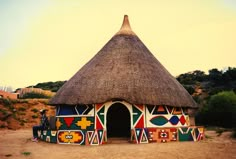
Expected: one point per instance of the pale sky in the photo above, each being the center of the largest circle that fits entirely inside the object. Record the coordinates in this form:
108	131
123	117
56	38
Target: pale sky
50	40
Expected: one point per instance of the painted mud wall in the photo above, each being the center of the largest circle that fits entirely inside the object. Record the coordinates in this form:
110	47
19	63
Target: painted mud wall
87	124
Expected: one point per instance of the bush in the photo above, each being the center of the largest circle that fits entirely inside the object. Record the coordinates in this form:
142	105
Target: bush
34	95
22	109
34	116
219	111
34	110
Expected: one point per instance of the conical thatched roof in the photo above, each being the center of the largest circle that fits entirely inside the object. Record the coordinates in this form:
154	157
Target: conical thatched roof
124	69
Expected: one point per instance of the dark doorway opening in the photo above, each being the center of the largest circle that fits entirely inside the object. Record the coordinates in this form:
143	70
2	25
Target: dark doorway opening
118	121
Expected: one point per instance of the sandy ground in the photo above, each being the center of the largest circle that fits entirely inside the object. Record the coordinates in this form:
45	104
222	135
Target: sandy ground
16	144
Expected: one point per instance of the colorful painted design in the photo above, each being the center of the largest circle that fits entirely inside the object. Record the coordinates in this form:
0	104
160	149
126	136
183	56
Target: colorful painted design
138	117
174	120
170	109
49	136
162	135
100	116
70	137
186	134
160	110
177	111
159	120
96	137
157	109
85	109
58	124
69	121
75	123
199	133
84	123
182	120
139	136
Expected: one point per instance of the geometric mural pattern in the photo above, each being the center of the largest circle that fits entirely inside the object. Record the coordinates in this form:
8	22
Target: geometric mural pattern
49	136
70	137
161	135
79	137
173	120
139	136
100	117
138	116
75	123
96	137
149	123
166	116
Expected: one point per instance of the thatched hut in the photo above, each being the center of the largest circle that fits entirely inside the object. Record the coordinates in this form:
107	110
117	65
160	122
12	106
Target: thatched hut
123	91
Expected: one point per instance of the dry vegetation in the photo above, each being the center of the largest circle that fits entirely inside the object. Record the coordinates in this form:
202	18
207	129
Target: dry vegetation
16	114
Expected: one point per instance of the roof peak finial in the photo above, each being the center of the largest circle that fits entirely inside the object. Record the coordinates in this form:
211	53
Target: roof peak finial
126	28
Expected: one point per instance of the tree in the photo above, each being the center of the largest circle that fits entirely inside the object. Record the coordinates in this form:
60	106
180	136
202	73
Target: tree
220	110
215	76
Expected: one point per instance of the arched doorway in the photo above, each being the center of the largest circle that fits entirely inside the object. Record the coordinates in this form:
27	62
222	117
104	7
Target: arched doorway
118	121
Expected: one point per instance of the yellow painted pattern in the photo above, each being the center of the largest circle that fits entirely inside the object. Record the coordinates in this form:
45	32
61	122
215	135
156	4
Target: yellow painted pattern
58	123
70	137
84	123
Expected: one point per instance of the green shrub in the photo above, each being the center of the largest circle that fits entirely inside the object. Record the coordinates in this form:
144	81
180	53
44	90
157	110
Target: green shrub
22	109
4	112
34	116
34	95
34	110
26	153
219	111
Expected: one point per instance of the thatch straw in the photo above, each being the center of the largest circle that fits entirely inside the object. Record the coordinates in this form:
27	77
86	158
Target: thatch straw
124	69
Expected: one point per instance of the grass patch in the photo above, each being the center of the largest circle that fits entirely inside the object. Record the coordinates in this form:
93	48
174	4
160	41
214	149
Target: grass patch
4	112
26	153
34	110
208	137
22	109
219	131
34	116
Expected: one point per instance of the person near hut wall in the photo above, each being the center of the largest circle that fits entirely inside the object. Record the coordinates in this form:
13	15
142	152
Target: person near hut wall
43	125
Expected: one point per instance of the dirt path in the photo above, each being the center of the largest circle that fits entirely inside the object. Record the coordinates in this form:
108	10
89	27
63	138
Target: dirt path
13	144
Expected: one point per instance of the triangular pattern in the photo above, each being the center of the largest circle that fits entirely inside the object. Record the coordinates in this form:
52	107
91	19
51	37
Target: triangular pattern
100	135
136	114
68	121
139	106
98	124
98	106
140	123
81	108
89	135
177	111
89	108
95	140
100	114
160	110
150	108
170	109
144	138
138	132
